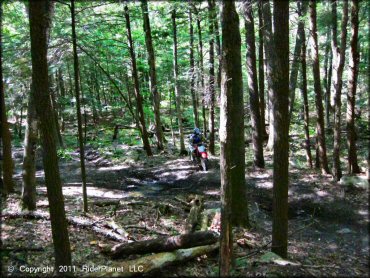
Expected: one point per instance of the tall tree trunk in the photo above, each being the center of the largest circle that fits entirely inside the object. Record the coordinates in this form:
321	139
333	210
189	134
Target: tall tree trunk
29	168
269	49
57	128
234	208
62	96
318	94
339	56
192	74
177	89
153	75
280	102
261	70
257	136
78	106
327	76
39	17
305	100
202	74
354	59
5	136
302	8
211	82
218	44
138	96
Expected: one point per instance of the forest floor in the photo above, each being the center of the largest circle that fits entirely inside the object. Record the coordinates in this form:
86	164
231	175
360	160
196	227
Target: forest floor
328	221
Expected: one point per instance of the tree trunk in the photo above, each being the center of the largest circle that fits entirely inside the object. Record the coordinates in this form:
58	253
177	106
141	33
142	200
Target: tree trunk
29	167
327	76
261	71
164	244
62	96
354	59
234	207
257	136
280	101
339	56
177	89
318	94
201	73
211	82
5	136
78	106
39	17
192	74
138	96
218	44
305	100
153	75
302	8
57	128
268	43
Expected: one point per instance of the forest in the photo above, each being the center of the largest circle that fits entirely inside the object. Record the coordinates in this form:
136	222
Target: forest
184	138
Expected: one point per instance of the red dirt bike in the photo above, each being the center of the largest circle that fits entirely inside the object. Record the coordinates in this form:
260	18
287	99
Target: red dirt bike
199	154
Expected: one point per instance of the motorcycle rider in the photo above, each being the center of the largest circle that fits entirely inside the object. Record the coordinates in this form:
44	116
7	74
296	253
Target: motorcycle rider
196	138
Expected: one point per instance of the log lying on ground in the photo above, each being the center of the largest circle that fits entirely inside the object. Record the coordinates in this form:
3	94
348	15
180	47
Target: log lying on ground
164	244
149	263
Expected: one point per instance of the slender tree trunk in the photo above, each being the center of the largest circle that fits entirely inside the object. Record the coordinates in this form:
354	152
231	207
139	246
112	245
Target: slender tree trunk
192	74
318	94
234	208
153	74
354	59
257	136
78	106
39	17
302	8
261	70
202	75
218	44
57	128
211	82
280	101
177	89
20	123
29	168
327	76
62	96
305	100
6	141
138	96
268	43
339	56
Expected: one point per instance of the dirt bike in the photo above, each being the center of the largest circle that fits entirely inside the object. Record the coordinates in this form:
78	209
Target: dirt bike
200	155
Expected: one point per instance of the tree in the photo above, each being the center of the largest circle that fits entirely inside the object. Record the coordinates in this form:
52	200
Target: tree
138	96
5	136
338	66
192	73
280	106
39	17
257	136
321	144
354	58
152	74
76	68
211	80
234	208
177	87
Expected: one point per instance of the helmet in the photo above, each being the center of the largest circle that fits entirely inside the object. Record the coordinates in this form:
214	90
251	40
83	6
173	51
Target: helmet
196	130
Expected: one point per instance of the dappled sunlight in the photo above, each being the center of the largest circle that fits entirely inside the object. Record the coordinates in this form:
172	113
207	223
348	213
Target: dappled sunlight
76	191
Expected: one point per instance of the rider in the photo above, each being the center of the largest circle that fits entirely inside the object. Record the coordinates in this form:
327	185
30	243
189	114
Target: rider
196	138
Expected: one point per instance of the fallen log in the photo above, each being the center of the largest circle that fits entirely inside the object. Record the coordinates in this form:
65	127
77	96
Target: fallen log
164	244
149	263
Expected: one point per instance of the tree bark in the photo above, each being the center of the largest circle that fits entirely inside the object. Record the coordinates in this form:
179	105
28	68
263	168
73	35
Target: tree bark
211	81
5	136
192	73
218	44
302	8
327	76
257	136
354	59
177	89
39	17
280	101
62	96
339	56
76	68
234	207
318	93
153	74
